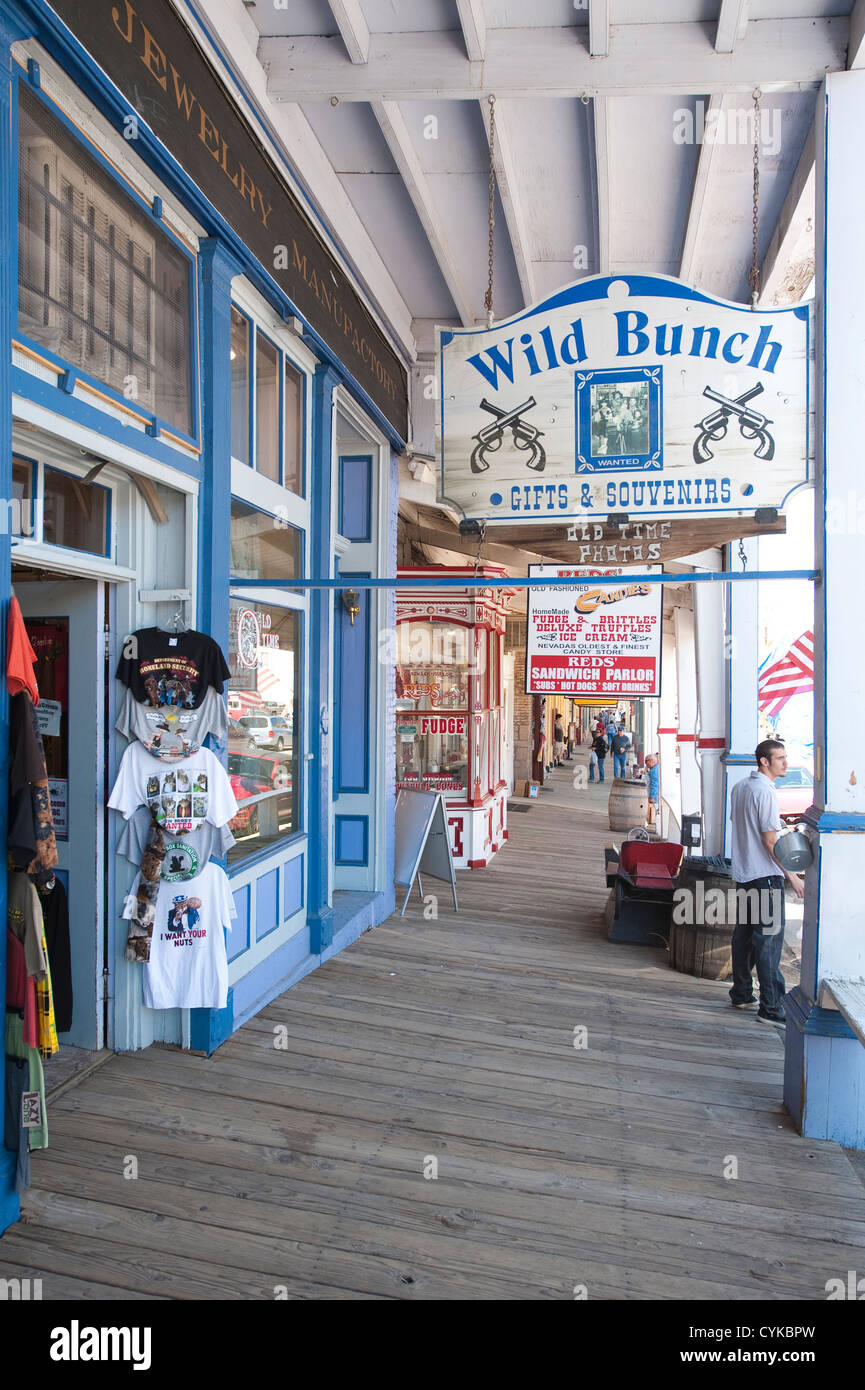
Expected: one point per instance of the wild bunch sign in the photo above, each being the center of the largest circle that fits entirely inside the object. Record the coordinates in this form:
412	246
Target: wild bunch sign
632	394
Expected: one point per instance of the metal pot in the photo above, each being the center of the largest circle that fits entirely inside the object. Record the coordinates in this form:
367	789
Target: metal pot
793	851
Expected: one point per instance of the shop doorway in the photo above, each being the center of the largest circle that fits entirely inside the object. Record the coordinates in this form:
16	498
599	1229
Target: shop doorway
66	621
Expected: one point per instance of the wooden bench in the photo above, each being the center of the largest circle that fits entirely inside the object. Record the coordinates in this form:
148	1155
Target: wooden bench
848	997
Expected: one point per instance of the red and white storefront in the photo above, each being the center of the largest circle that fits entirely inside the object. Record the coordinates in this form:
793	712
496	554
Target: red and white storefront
449	704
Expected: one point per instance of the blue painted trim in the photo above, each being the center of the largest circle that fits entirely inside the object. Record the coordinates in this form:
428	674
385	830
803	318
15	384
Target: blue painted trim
339	823
277	915
148	210
407	581
808	1018
89	77
50	397
739	759
321	635
366	537
343	629
288	867
209	1028
267	852
13	27
828	821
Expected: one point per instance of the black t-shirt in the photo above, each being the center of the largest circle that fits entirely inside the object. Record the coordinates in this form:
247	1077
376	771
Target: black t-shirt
166	668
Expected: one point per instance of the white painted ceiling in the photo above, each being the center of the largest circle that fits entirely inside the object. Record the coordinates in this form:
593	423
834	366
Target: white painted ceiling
380	112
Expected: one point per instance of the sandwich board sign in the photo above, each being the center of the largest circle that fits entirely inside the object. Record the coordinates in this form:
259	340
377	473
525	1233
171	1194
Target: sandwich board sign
422	842
629	395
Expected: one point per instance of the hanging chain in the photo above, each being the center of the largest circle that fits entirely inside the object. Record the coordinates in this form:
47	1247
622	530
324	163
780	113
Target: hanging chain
754	273
482	525
488	300
742	556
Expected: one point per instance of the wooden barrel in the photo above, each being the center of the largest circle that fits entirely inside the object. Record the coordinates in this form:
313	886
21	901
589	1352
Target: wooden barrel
629	804
700	948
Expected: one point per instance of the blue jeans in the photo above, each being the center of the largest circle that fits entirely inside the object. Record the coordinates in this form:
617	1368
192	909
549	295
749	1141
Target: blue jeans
758	939
619	760
601	769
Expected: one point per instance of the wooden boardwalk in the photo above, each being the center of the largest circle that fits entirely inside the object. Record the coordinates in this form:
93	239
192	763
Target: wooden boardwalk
293	1162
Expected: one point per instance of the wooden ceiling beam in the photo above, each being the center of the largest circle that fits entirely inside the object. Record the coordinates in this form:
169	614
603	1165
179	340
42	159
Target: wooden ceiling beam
789	262
398	137
732	24
473	22
599	28
601	123
697	228
776	54
352	27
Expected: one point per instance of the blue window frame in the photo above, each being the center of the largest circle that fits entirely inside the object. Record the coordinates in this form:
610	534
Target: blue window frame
268	406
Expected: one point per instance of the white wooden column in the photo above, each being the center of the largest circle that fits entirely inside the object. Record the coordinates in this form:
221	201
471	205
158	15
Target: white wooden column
743	644
824	1078
712	700
686	669
668	726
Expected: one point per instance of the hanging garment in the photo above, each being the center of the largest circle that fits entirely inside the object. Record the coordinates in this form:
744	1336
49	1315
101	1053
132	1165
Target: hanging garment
174	669
181	795
20	655
55	917
24	918
14	1134
16	1047
20	988
185	855
141	904
188	967
46	1025
31	828
170	732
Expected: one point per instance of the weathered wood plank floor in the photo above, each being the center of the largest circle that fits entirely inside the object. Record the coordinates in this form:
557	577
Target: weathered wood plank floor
448	1044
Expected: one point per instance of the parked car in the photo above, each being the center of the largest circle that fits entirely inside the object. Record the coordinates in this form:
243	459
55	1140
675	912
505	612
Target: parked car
795	792
267	731
250	774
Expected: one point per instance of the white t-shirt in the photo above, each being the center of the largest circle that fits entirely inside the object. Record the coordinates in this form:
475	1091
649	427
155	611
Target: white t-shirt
188	967
181	795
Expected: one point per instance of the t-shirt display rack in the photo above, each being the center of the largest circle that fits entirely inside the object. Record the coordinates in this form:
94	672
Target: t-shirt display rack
176	799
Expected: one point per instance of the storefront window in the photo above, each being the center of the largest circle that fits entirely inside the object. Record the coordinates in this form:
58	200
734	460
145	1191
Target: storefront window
262	546
99	284
432	681
266	408
293	409
76	513
264	723
240	386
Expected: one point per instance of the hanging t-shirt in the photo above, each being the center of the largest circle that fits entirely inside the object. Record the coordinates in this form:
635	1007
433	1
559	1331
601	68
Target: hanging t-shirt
185	856
171	732
171	668
188	967
181	795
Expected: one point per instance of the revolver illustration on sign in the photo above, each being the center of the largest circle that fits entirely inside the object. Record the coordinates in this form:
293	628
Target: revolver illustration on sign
525	436
752	425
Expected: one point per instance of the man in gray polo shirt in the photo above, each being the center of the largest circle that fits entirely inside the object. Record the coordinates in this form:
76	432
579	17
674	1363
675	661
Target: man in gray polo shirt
758	938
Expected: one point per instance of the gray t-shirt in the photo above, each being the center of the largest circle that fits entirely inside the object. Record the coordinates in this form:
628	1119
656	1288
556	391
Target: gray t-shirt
186	854
753	809
170	732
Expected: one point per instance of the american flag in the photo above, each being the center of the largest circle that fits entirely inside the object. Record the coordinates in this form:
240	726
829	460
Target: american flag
792	675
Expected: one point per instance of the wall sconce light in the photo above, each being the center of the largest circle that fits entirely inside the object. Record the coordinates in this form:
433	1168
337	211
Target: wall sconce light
351	603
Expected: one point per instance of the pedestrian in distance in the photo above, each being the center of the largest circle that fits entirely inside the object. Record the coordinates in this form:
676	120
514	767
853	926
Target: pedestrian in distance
619	746
599	748
758	937
558	740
